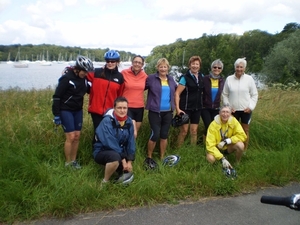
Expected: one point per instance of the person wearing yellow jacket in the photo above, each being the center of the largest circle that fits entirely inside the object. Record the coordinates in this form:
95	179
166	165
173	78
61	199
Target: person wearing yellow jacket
225	135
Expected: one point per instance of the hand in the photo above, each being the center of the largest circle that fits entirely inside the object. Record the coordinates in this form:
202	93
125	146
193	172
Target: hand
247	110
221	144
225	163
57	120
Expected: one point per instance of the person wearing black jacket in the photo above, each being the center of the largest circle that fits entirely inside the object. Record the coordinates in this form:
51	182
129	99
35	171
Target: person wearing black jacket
188	99
212	91
67	106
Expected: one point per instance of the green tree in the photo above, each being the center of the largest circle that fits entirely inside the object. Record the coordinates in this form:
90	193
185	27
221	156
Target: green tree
283	63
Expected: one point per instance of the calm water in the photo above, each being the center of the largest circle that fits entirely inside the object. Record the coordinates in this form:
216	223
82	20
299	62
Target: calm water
35	76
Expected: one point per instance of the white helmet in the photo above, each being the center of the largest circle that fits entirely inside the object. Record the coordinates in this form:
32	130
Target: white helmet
84	63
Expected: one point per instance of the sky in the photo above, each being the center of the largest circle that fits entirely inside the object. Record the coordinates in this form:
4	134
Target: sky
136	26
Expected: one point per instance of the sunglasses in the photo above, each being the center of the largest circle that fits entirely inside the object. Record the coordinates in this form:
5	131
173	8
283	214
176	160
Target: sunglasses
110	61
216	67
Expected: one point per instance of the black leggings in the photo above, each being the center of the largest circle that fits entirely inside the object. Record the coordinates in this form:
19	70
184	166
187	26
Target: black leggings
208	116
160	124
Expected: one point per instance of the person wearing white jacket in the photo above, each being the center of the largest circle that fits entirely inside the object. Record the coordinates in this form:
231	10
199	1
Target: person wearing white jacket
241	94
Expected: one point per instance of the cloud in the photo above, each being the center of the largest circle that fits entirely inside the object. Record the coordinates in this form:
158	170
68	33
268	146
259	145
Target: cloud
136	25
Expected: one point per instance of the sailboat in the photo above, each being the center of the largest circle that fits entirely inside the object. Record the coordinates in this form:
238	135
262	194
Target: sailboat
18	63
46	62
8	59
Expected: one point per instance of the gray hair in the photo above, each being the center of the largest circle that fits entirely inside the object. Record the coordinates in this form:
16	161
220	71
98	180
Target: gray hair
225	106
241	60
217	62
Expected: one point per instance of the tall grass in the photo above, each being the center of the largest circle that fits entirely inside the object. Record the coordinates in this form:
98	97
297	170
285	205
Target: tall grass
34	182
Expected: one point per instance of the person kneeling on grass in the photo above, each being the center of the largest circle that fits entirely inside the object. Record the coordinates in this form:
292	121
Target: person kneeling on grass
224	136
115	143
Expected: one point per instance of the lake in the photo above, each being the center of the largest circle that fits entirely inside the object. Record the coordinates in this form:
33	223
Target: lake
36	76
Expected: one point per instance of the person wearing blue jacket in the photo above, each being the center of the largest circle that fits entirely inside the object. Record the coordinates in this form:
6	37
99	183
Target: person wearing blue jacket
115	143
161	104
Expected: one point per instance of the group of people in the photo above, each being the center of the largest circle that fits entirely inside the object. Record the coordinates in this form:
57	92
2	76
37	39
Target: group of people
117	104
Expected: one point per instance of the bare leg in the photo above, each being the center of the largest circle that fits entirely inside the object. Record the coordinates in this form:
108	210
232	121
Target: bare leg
182	134
71	145
163	147
151	146
246	129
110	168
193	133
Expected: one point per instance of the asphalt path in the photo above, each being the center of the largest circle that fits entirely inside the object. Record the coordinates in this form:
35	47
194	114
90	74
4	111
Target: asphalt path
243	209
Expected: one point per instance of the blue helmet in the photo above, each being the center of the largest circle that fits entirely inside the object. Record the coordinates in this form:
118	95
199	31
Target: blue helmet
112	55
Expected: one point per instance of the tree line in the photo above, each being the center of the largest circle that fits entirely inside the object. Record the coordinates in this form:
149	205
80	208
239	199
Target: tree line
273	57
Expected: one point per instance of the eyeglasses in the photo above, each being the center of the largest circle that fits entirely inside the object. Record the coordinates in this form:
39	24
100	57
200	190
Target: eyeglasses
137	62
111	61
216	67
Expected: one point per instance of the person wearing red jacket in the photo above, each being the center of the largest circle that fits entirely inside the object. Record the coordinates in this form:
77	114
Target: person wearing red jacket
106	84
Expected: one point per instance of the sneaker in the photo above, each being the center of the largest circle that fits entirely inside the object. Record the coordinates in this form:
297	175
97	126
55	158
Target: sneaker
75	165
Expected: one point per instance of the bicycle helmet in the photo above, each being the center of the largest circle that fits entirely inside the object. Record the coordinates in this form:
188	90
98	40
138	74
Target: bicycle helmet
112	55
171	160
125	178
84	63
150	164
230	173
179	120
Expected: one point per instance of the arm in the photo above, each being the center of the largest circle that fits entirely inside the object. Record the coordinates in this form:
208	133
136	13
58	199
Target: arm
253	95
238	133
59	93
212	139
180	88
225	93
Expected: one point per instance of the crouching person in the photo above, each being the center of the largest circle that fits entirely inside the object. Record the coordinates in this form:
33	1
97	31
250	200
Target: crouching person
225	135
115	143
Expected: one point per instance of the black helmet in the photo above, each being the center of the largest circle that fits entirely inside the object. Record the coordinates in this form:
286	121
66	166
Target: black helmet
125	178
171	160
150	164
112	55
180	119
84	63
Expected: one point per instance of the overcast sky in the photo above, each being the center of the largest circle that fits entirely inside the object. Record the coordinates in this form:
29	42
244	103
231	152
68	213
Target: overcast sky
136	25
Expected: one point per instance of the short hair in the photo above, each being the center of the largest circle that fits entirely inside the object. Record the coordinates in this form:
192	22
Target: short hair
241	60
216	63
195	58
162	61
225	106
138	56
120	99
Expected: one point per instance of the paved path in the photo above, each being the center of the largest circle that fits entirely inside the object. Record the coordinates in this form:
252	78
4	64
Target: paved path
240	210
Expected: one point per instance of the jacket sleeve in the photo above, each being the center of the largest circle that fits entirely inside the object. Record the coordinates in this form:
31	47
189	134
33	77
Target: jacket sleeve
225	93
106	135
131	145
60	90
212	139
253	95
238	133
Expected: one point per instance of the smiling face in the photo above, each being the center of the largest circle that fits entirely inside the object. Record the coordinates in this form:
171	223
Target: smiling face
195	67
216	69
82	73
163	69
137	64
111	64
239	69
225	113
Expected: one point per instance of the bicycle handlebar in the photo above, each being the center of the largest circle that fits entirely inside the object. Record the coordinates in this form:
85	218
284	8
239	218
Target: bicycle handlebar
292	201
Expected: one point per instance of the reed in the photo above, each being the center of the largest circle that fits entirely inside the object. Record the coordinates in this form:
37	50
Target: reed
34	182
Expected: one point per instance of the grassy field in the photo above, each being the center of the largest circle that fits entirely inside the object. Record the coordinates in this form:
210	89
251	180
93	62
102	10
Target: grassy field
34	182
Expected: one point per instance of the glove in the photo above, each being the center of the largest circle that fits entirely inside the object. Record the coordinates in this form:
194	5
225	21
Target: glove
57	120
225	163
227	141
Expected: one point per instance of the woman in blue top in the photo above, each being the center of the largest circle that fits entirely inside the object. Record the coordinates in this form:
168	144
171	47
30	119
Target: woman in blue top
212	91
161	104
